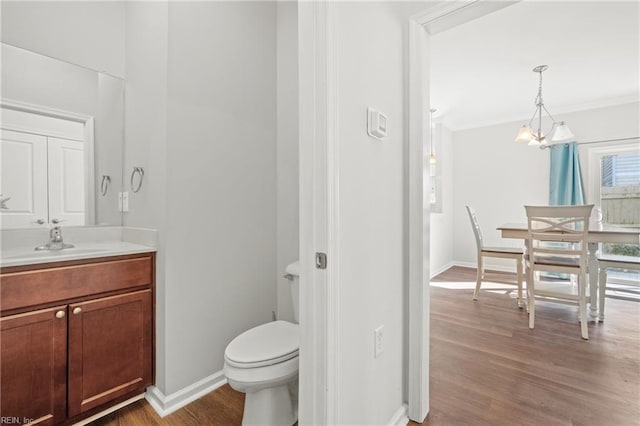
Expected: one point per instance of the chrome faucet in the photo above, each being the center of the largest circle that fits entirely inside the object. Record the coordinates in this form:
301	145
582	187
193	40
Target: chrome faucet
55	240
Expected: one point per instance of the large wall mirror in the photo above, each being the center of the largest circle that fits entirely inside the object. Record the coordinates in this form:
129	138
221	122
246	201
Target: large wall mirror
62	143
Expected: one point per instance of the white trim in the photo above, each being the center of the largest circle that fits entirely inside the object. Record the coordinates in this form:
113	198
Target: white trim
441	269
447	14
43	110
89	172
89	141
319	291
167	404
109	410
418	227
315	395
440	11
399	418
594	158
332	208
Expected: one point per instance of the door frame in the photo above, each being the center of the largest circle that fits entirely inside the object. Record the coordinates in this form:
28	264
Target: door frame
319	224
318	212
433	19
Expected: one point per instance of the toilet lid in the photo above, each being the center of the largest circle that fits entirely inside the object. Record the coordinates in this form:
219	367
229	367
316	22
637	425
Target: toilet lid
265	344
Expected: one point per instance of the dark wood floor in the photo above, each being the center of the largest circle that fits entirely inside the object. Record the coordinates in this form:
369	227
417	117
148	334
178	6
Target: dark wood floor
221	407
488	368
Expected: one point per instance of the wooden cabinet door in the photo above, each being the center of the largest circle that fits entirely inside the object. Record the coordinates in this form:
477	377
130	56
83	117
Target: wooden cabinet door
110	349
33	351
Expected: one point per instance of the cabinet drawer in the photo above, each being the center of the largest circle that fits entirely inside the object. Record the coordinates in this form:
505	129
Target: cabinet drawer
40	286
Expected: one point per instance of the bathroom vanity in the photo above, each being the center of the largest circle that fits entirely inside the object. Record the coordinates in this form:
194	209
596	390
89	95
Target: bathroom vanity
77	334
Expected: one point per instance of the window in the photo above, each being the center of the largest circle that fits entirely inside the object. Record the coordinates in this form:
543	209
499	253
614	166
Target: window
614	187
620	170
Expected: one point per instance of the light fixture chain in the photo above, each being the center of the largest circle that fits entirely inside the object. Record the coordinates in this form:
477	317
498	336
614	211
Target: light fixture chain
539	97
527	134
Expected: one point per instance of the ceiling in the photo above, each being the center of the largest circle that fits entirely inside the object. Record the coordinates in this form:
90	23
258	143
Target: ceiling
481	71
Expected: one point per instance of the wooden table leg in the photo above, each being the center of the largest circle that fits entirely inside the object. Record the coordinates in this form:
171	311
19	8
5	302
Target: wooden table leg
593	282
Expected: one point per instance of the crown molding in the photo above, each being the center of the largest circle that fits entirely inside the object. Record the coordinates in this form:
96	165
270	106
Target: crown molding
603	103
448	14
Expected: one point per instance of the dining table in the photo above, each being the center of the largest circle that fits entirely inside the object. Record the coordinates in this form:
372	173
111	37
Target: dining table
598	233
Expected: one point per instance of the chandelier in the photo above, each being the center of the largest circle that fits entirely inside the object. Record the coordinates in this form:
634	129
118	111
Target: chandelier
559	130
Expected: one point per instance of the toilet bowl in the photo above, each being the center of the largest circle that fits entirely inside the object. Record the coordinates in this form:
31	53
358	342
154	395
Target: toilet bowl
263	363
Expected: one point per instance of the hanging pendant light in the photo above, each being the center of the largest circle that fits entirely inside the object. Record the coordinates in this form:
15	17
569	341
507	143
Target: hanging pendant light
562	133
559	130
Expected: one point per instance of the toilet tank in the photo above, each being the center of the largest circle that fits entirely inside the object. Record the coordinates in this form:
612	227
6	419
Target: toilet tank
293	273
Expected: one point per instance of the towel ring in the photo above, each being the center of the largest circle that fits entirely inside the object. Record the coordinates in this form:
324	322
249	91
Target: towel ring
140	172
104	186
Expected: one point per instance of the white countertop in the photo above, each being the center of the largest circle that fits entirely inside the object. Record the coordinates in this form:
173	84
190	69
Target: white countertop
18	249
16	257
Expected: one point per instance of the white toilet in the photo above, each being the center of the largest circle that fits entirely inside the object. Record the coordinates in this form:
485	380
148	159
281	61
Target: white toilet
263	363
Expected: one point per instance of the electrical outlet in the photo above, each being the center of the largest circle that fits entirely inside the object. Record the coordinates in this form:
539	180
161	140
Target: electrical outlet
119	201
125	201
378	341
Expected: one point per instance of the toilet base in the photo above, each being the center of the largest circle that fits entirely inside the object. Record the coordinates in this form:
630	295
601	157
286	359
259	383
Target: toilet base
270	406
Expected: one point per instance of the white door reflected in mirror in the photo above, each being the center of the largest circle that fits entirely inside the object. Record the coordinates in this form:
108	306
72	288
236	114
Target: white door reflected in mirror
42	171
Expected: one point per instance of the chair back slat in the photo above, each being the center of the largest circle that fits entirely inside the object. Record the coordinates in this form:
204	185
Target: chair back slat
476	227
558	231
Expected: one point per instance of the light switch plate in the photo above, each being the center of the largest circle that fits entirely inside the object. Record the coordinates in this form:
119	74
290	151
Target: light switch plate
125	201
378	340
376	124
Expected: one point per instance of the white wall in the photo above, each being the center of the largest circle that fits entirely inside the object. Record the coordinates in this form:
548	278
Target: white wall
202	121
441	226
221	181
370	72
91	34
146	142
288	232
498	176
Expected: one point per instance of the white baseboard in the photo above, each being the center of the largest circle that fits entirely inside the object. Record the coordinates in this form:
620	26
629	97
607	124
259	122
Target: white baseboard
441	269
400	417
167	404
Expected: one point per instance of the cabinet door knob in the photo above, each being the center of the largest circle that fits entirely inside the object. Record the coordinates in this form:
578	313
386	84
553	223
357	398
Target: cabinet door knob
60	314
77	310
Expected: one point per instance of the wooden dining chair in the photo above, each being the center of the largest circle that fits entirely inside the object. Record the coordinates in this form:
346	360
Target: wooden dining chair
609	261
557	243
496	252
